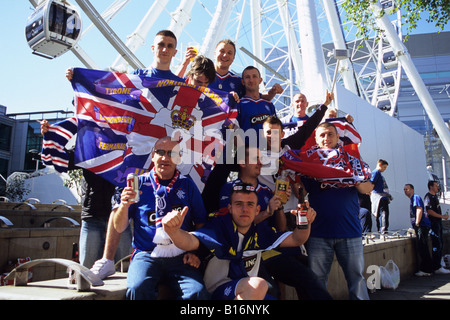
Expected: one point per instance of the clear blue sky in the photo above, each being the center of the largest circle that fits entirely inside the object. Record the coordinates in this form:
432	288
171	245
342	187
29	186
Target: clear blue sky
31	83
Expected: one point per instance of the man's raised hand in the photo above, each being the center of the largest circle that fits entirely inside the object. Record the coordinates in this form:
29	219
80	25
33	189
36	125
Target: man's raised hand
174	219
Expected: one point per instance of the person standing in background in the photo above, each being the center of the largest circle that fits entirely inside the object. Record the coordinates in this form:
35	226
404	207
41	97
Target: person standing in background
433	208
421	225
380	197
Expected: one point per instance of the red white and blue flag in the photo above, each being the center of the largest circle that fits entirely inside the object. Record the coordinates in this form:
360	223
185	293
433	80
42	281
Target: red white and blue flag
339	167
55	140
119	117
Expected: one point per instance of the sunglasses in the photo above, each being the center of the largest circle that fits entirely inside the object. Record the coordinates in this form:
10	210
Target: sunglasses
170	153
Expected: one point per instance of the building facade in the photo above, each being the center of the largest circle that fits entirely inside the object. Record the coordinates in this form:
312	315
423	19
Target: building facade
21	141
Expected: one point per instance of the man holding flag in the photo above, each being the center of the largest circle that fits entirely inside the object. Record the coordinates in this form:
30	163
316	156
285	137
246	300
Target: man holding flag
120	116
336	229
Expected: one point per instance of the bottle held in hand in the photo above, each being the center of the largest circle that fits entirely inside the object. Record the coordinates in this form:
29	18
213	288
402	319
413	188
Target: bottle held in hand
281	187
302	209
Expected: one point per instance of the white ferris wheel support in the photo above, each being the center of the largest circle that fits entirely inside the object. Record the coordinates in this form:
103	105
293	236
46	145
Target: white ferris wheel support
413	75
346	68
109	34
255	15
314	69
137	38
293	48
181	17
217	27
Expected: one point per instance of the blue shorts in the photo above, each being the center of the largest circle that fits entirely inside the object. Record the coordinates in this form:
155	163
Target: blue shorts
226	291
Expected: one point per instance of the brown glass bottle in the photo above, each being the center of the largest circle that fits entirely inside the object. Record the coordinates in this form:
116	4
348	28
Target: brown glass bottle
302	209
281	186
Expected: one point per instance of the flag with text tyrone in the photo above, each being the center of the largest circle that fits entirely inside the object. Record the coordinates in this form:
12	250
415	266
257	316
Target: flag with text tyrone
121	116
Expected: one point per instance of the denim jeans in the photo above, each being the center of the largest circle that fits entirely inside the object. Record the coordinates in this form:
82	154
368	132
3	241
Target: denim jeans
290	270
365	218
146	272
92	241
349	253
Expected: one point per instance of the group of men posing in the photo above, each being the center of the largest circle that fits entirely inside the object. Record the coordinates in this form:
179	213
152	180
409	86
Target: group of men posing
249	246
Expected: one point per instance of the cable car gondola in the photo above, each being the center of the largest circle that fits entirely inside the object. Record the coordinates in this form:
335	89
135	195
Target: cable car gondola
53	28
389	59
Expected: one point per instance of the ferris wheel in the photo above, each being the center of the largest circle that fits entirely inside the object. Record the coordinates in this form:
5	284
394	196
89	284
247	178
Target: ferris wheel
377	71
267	35
304	45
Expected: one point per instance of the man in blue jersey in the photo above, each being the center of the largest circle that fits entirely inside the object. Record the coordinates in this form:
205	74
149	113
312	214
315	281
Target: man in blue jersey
336	229
236	242
225	79
421	224
380	197
298	117
228	81
299	104
252	109
249	171
219	175
164	48
155	257
281	265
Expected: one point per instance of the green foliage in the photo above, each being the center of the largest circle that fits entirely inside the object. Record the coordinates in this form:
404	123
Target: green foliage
16	190
74	180
436	12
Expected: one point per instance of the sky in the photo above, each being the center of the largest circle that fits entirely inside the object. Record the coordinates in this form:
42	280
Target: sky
31	83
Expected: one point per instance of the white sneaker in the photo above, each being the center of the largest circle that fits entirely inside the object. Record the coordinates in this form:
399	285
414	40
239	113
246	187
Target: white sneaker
422	274
442	270
103	268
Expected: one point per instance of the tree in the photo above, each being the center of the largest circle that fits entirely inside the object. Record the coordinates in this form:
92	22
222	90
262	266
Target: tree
74	180
412	11
15	187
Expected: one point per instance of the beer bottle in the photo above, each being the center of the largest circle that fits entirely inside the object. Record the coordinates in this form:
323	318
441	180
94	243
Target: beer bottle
282	185
302	209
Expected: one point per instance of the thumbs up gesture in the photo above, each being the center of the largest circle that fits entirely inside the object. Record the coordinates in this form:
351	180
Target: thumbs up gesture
173	220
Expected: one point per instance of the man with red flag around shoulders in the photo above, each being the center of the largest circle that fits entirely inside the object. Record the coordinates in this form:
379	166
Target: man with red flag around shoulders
337	228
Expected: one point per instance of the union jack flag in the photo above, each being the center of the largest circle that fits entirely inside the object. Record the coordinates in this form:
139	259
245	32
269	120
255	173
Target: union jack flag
55	140
121	116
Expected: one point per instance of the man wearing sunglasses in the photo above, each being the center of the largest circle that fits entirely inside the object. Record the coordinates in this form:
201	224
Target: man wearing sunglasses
236	242
162	190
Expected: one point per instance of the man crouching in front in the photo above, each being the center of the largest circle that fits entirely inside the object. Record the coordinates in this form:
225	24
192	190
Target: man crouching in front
236	242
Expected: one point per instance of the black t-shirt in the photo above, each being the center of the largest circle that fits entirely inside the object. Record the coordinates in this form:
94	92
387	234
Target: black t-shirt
97	196
432	202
